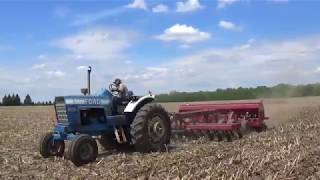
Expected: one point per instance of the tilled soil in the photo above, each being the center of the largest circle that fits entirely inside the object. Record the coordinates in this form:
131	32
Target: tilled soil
289	151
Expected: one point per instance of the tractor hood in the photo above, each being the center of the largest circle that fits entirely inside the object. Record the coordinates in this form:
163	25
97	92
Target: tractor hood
104	98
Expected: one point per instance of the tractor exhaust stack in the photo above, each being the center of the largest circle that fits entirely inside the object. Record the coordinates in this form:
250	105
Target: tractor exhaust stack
87	91
89	72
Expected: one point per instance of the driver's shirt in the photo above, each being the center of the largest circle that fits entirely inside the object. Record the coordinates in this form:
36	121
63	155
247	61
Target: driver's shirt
123	90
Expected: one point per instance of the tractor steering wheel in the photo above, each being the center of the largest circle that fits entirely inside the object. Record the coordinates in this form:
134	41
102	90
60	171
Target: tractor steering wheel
113	89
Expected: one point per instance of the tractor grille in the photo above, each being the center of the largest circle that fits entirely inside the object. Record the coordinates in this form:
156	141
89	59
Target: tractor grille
61	113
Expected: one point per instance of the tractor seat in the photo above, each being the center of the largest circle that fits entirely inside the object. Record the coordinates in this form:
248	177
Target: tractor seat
127	99
121	105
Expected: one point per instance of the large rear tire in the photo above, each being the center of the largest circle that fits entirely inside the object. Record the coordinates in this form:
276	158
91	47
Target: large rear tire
83	150
49	148
150	129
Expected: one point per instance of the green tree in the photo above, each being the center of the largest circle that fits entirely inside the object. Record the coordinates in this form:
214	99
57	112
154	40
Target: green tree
13	100
27	100
17	101
9	100
280	90
4	100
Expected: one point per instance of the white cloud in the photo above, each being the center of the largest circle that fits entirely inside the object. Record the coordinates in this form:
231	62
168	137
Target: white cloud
61	74
224	3
79	56
160	8
128	62
183	33
185	46
26	80
89	18
138	4
82	67
97	44
99	48
56	74
157	69
61	12
248	45
229	25
39	66
149	74
188	6
42	56
252	64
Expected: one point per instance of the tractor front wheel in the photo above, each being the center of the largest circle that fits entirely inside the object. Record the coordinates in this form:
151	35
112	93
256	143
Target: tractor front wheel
49	147
83	149
150	129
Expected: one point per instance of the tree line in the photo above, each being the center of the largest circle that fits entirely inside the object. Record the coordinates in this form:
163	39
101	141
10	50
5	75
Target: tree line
15	100
280	90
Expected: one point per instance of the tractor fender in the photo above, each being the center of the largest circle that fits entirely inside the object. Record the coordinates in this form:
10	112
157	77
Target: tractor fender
135	105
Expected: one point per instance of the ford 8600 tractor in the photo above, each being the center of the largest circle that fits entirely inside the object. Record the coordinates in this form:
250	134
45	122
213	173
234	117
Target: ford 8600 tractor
85	119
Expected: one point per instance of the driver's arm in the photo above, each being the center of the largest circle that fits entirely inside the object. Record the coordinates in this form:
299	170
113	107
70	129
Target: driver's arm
121	88
114	87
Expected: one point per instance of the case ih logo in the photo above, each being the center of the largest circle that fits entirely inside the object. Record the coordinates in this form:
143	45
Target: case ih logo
90	101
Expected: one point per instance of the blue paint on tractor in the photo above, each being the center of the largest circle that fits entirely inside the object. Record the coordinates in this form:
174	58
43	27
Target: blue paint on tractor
84	119
90	115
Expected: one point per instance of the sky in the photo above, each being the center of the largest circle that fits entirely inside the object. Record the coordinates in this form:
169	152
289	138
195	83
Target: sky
161	46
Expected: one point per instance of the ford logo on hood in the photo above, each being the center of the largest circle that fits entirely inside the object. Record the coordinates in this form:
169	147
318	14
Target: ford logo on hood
88	101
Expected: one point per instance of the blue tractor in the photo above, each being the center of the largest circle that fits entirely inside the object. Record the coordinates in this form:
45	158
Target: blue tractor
84	120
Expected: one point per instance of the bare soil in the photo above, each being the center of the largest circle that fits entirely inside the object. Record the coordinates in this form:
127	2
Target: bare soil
289	150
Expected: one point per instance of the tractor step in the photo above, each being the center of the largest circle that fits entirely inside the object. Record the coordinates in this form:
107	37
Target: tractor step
120	136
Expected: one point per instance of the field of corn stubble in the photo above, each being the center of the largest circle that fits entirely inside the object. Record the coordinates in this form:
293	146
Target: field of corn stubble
288	150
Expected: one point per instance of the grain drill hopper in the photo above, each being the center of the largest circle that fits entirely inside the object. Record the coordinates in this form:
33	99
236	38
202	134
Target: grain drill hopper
218	120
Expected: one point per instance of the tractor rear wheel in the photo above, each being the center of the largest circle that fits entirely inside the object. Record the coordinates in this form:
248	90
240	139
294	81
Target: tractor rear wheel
83	150
49	147
150	129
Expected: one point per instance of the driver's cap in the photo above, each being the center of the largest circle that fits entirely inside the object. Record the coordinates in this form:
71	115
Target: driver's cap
117	81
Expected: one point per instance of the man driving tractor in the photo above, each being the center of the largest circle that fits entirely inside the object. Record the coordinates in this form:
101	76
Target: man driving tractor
120	89
120	92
